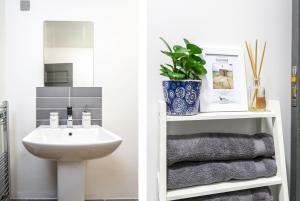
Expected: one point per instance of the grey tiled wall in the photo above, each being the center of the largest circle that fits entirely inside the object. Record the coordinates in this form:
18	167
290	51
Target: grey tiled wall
57	99
86	200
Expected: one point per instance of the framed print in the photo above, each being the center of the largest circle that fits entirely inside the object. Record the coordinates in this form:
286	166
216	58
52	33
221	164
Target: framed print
224	87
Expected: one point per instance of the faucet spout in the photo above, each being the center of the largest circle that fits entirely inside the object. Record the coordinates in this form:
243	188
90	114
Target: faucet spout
70	117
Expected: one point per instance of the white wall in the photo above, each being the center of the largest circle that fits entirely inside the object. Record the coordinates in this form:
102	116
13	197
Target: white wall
82	59
115	61
219	24
2	47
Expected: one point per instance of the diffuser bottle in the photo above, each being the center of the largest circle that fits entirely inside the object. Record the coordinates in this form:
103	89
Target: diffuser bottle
257	97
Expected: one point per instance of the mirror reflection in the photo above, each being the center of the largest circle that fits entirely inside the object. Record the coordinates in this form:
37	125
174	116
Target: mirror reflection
68	53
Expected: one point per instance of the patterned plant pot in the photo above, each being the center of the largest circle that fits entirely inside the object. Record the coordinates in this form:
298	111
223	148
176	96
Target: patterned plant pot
182	97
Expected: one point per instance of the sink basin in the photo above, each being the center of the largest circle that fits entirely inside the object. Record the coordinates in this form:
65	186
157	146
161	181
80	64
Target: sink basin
71	147
71	144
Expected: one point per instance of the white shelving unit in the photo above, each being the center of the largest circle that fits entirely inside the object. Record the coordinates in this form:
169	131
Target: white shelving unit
273	108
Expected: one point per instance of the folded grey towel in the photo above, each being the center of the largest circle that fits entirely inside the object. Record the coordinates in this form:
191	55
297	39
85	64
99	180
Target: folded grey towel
218	147
186	174
255	194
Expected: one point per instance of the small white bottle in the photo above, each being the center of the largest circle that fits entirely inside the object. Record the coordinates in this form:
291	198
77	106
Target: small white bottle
86	119
54	120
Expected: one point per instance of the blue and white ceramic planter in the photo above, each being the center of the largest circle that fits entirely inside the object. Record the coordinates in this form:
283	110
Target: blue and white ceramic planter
182	97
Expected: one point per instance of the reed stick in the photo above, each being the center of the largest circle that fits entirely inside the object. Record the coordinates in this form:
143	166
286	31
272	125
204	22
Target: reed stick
249	54
262	59
254	96
254	70
255	66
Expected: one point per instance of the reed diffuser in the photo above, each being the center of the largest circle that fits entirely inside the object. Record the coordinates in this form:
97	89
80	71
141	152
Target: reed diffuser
257	99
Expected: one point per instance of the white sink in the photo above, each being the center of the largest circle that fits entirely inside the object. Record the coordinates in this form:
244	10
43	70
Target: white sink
71	144
71	147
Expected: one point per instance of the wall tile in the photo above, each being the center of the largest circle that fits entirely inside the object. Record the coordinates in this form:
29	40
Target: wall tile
57	99
44	114
39	200
47	122
86	92
52	92
52	102
82	102
86	200
93	122
96	113
96	122
77	122
121	200
95	200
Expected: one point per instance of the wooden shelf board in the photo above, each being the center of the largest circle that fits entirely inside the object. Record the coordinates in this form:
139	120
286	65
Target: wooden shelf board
221	188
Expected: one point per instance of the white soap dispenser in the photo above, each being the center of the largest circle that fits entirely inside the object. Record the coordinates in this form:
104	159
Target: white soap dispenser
54	120
86	118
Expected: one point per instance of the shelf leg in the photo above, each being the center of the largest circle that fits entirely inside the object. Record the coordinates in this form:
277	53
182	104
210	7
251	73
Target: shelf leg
279	151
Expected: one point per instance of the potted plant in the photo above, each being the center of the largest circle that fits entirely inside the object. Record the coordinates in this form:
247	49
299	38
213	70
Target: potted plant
182	90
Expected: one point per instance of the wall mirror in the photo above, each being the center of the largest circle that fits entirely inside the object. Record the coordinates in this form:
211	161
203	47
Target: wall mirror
68	53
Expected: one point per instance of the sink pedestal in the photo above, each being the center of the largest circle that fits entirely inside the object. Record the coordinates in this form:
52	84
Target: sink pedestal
71	181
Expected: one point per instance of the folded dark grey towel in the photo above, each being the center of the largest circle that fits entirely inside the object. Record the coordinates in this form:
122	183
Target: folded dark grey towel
218	147
186	174
255	194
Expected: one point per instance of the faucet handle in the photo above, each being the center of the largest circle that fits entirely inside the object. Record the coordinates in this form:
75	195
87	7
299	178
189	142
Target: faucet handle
69	111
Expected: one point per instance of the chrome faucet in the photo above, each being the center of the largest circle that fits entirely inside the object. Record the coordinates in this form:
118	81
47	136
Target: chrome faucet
70	117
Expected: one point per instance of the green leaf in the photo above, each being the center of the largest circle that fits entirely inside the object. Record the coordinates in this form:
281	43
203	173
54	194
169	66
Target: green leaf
164	74
186	41
178	55
176	76
183	61
195	66
196	58
188	64
170	66
180	49
194	48
167	53
164	69
174	55
195	77
165	42
181	70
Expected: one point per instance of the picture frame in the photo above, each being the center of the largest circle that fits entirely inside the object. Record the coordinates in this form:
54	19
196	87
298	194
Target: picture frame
224	88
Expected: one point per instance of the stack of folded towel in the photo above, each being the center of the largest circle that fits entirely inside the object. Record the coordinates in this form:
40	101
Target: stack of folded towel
256	194
207	158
